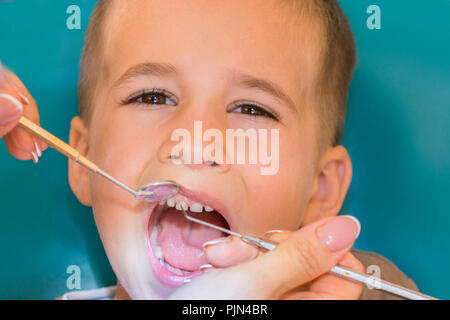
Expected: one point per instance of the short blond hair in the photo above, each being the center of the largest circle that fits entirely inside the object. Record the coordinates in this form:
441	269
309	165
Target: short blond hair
338	59
92	60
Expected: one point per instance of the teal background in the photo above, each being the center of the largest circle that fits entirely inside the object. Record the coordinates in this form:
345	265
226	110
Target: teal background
397	133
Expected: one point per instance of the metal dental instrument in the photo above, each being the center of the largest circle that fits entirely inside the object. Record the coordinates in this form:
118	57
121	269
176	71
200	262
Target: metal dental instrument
343	272
153	192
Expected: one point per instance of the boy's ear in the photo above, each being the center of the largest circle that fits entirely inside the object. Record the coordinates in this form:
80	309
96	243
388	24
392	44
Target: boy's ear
330	185
78	175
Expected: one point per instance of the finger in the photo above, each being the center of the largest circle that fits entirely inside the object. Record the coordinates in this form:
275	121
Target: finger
278	235
332	287
307	254
17	152
17	140
11	85
228	251
30	108
10	111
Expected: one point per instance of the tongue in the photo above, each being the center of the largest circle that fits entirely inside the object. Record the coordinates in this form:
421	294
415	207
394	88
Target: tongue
181	240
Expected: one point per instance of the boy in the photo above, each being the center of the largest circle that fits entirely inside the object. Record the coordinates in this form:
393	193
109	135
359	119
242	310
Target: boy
150	68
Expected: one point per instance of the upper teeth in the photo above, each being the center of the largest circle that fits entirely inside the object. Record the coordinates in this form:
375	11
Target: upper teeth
181	205
170	202
196	207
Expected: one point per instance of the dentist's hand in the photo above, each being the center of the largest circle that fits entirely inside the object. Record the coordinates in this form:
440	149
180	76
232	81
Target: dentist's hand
15	100
296	269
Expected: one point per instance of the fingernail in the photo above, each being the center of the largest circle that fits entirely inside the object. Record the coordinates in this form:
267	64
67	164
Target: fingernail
339	232
19	92
216	241
38	150
10	109
274	231
205	266
24	98
35	157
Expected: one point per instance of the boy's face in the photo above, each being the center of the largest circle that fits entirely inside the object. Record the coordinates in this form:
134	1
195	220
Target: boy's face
213	48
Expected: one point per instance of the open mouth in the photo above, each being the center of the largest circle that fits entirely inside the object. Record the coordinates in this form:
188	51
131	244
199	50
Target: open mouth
176	243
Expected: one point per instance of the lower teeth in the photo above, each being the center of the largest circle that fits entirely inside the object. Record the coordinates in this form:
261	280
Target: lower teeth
158	252
173	269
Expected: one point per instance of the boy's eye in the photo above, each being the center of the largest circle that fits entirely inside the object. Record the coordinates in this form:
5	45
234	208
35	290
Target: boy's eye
253	110
155	96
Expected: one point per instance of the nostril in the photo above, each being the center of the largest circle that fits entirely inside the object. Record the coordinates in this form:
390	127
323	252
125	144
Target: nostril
211	163
175	159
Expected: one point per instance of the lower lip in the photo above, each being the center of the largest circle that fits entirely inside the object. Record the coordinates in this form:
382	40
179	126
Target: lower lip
165	276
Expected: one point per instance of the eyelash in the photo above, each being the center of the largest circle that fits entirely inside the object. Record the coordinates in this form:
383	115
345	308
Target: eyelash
256	108
140	95
263	111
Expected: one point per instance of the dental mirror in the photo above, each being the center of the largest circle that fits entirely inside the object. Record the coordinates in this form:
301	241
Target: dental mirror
158	191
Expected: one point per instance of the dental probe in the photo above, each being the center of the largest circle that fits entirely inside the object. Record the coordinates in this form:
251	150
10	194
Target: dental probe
153	192
343	272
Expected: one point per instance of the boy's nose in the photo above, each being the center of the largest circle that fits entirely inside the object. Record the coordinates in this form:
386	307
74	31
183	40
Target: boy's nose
195	159
189	149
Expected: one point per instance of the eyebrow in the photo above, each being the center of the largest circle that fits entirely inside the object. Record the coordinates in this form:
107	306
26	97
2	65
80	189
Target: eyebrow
265	86
147	69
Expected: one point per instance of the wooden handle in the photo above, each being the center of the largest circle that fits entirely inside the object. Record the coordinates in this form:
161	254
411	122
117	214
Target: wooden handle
55	143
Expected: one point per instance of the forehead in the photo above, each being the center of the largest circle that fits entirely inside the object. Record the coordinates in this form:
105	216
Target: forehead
261	38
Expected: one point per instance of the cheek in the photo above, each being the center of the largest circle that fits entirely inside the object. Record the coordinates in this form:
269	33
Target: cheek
297	170
119	231
121	138
124	142
278	201
120	146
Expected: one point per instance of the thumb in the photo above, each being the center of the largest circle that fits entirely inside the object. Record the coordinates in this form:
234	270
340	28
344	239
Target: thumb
10	111
307	254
